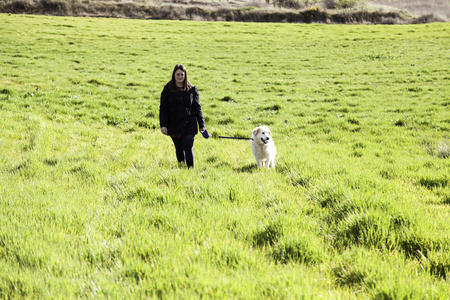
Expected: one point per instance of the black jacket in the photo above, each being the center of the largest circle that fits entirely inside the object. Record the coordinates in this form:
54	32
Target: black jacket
180	111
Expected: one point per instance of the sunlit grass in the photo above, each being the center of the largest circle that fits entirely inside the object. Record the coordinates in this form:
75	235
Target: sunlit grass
93	203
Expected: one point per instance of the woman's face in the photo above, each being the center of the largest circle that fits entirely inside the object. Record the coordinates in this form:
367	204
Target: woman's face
179	77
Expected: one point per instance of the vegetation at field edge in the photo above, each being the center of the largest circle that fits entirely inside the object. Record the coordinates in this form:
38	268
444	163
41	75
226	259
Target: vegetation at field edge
293	11
93	203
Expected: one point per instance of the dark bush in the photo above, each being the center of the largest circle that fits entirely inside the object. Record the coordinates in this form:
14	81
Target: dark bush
427	19
288	3
57	6
21	6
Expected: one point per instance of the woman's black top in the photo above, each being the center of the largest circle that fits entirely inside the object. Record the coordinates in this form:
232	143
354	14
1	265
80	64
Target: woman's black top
180	111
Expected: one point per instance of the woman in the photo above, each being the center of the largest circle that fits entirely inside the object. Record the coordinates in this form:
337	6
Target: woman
179	113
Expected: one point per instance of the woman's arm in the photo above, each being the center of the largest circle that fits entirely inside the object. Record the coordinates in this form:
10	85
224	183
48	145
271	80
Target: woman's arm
163	111
198	109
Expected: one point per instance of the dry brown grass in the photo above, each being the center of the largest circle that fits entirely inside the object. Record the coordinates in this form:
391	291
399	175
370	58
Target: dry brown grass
440	8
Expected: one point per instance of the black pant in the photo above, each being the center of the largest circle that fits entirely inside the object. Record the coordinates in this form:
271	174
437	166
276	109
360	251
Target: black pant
183	148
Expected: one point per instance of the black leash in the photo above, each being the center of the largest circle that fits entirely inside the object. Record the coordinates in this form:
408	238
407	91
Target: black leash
234	138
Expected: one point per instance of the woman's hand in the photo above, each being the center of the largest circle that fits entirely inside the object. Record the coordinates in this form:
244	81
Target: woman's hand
164	130
202	129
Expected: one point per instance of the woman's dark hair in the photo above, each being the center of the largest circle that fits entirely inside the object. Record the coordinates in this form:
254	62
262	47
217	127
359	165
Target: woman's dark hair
172	83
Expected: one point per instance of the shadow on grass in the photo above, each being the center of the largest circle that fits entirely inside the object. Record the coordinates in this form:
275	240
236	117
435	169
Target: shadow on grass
250	168
268	235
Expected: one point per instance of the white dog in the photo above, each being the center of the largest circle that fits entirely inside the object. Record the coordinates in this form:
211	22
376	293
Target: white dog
263	147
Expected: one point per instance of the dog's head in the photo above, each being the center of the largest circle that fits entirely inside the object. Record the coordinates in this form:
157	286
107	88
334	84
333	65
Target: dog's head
261	134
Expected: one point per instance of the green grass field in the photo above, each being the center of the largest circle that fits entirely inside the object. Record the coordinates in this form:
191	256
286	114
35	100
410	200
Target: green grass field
94	205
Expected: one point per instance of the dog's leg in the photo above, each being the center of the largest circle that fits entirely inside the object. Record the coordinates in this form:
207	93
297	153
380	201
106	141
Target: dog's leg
264	162
259	163
272	162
